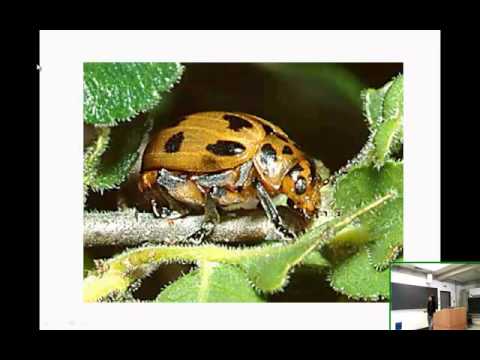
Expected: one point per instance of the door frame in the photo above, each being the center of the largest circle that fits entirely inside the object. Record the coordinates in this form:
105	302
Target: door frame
449	299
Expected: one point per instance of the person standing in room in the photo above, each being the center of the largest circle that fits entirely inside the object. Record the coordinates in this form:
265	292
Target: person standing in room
431	308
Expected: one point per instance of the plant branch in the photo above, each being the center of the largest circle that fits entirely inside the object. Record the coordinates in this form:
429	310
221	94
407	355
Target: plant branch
130	228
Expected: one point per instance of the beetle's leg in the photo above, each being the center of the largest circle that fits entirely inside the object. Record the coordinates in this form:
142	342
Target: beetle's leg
271	211
174	210
155	211
164	212
165	182
211	218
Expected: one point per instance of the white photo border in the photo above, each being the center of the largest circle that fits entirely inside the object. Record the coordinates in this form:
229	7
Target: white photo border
62	54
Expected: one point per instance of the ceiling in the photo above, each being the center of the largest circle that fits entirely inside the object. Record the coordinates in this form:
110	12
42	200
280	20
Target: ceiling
461	273
431	267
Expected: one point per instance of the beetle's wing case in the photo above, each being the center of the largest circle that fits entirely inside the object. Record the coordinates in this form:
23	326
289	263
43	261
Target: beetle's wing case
268	127
204	142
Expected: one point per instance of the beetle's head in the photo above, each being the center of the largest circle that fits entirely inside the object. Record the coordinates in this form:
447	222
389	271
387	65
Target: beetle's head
301	185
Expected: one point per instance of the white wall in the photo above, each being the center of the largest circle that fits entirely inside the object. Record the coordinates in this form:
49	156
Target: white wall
417	318
410	319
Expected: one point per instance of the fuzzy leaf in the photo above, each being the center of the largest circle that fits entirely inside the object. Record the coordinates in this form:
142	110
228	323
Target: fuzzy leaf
315	259
116	92
385	225
269	271
123	152
390	133
92	158
373	104
383	110
212	282
356	278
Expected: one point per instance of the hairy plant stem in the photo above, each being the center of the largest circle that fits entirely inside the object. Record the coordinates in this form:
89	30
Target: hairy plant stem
130	228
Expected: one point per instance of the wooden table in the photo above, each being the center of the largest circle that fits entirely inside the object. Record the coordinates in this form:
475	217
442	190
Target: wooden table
450	319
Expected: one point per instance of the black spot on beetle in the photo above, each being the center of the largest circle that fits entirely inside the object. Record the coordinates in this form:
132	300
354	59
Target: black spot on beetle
296	169
268	129
287	150
226	148
282	137
300	185
173	144
268	152
236	123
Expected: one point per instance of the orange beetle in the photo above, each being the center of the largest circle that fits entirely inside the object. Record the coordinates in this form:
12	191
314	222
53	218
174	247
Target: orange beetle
227	160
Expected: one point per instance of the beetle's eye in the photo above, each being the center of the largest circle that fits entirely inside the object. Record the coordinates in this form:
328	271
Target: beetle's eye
300	185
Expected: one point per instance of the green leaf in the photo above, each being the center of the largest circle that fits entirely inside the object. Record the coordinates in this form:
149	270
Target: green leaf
393	103
385	247
116	92
92	157
356	278
350	236
211	282
383	110
363	274
315	259
373	104
117	162
389	133
385	224
269	270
